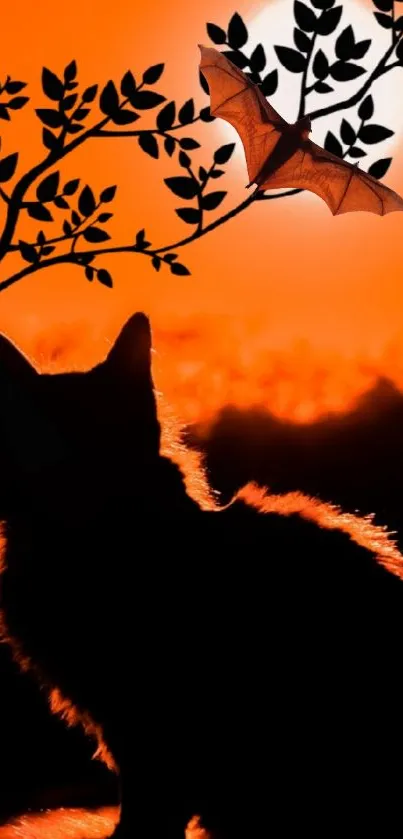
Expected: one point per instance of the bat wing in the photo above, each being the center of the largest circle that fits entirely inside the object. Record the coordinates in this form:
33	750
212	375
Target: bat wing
344	187
236	99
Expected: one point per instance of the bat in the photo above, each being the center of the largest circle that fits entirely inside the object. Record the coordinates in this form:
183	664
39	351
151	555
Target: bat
279	154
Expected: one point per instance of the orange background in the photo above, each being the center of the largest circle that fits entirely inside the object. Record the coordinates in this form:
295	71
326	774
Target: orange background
286	306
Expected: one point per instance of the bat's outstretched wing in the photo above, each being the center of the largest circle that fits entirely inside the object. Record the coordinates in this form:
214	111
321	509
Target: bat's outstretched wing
236	99
344	187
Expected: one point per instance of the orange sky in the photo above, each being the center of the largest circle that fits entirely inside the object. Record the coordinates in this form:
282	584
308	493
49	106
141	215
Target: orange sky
286	304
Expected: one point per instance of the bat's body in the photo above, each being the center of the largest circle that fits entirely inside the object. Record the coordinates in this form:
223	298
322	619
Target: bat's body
279	154
291	138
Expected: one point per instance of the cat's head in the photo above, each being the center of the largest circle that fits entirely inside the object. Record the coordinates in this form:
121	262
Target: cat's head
99	428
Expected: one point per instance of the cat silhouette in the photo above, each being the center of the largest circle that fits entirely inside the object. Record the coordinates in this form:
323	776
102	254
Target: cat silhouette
239	663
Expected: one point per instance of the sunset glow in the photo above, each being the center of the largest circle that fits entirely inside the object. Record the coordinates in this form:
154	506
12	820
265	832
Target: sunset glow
287	307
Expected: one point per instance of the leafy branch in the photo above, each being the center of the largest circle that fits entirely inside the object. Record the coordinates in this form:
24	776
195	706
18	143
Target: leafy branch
73	120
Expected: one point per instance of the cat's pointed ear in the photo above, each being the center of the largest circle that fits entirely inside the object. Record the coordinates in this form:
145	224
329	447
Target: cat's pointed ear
13	363
131	353
31	439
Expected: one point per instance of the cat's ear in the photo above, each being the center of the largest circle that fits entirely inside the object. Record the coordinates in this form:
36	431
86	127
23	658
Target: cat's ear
31	439
13	363
130	355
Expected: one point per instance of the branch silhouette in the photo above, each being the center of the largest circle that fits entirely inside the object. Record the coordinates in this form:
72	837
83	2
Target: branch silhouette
65	129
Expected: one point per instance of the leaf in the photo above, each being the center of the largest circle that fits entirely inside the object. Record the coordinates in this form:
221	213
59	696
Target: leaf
257	61
378	170
184	187
153	74
223	154
217	173
189	215
47	189
156	263
140	239
184	160
14	87
361	49
398	25
320	65
357	152
109	100
80	113
74	128
332	144
71	85
95	234
169	145
383	5
71	186
67	229
39	212
343	71
61	203
212	200
8	166
216	34
89	273
301	41
41	238
86	202
69	102
107	195
186	113
46	251
345	44
237	32
304	16
269	83
148	143
347	133
53	88
189	144
237	58
90	93
144	99
128	85
4	112
203	83
322	87
291	59
166	117
75	218
179	269
323	4
371	134
366	108
49	117
28	252
104	217
170	257
329	21
384	20
206	115
18	102
70	71
124	117
104	277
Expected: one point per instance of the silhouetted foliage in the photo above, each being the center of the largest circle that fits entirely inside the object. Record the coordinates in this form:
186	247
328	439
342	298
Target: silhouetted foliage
73	117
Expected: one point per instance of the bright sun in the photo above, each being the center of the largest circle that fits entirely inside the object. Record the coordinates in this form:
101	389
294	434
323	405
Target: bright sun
274	24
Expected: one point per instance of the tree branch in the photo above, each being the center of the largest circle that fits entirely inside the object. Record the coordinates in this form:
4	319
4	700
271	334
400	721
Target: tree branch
379	70
112	133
